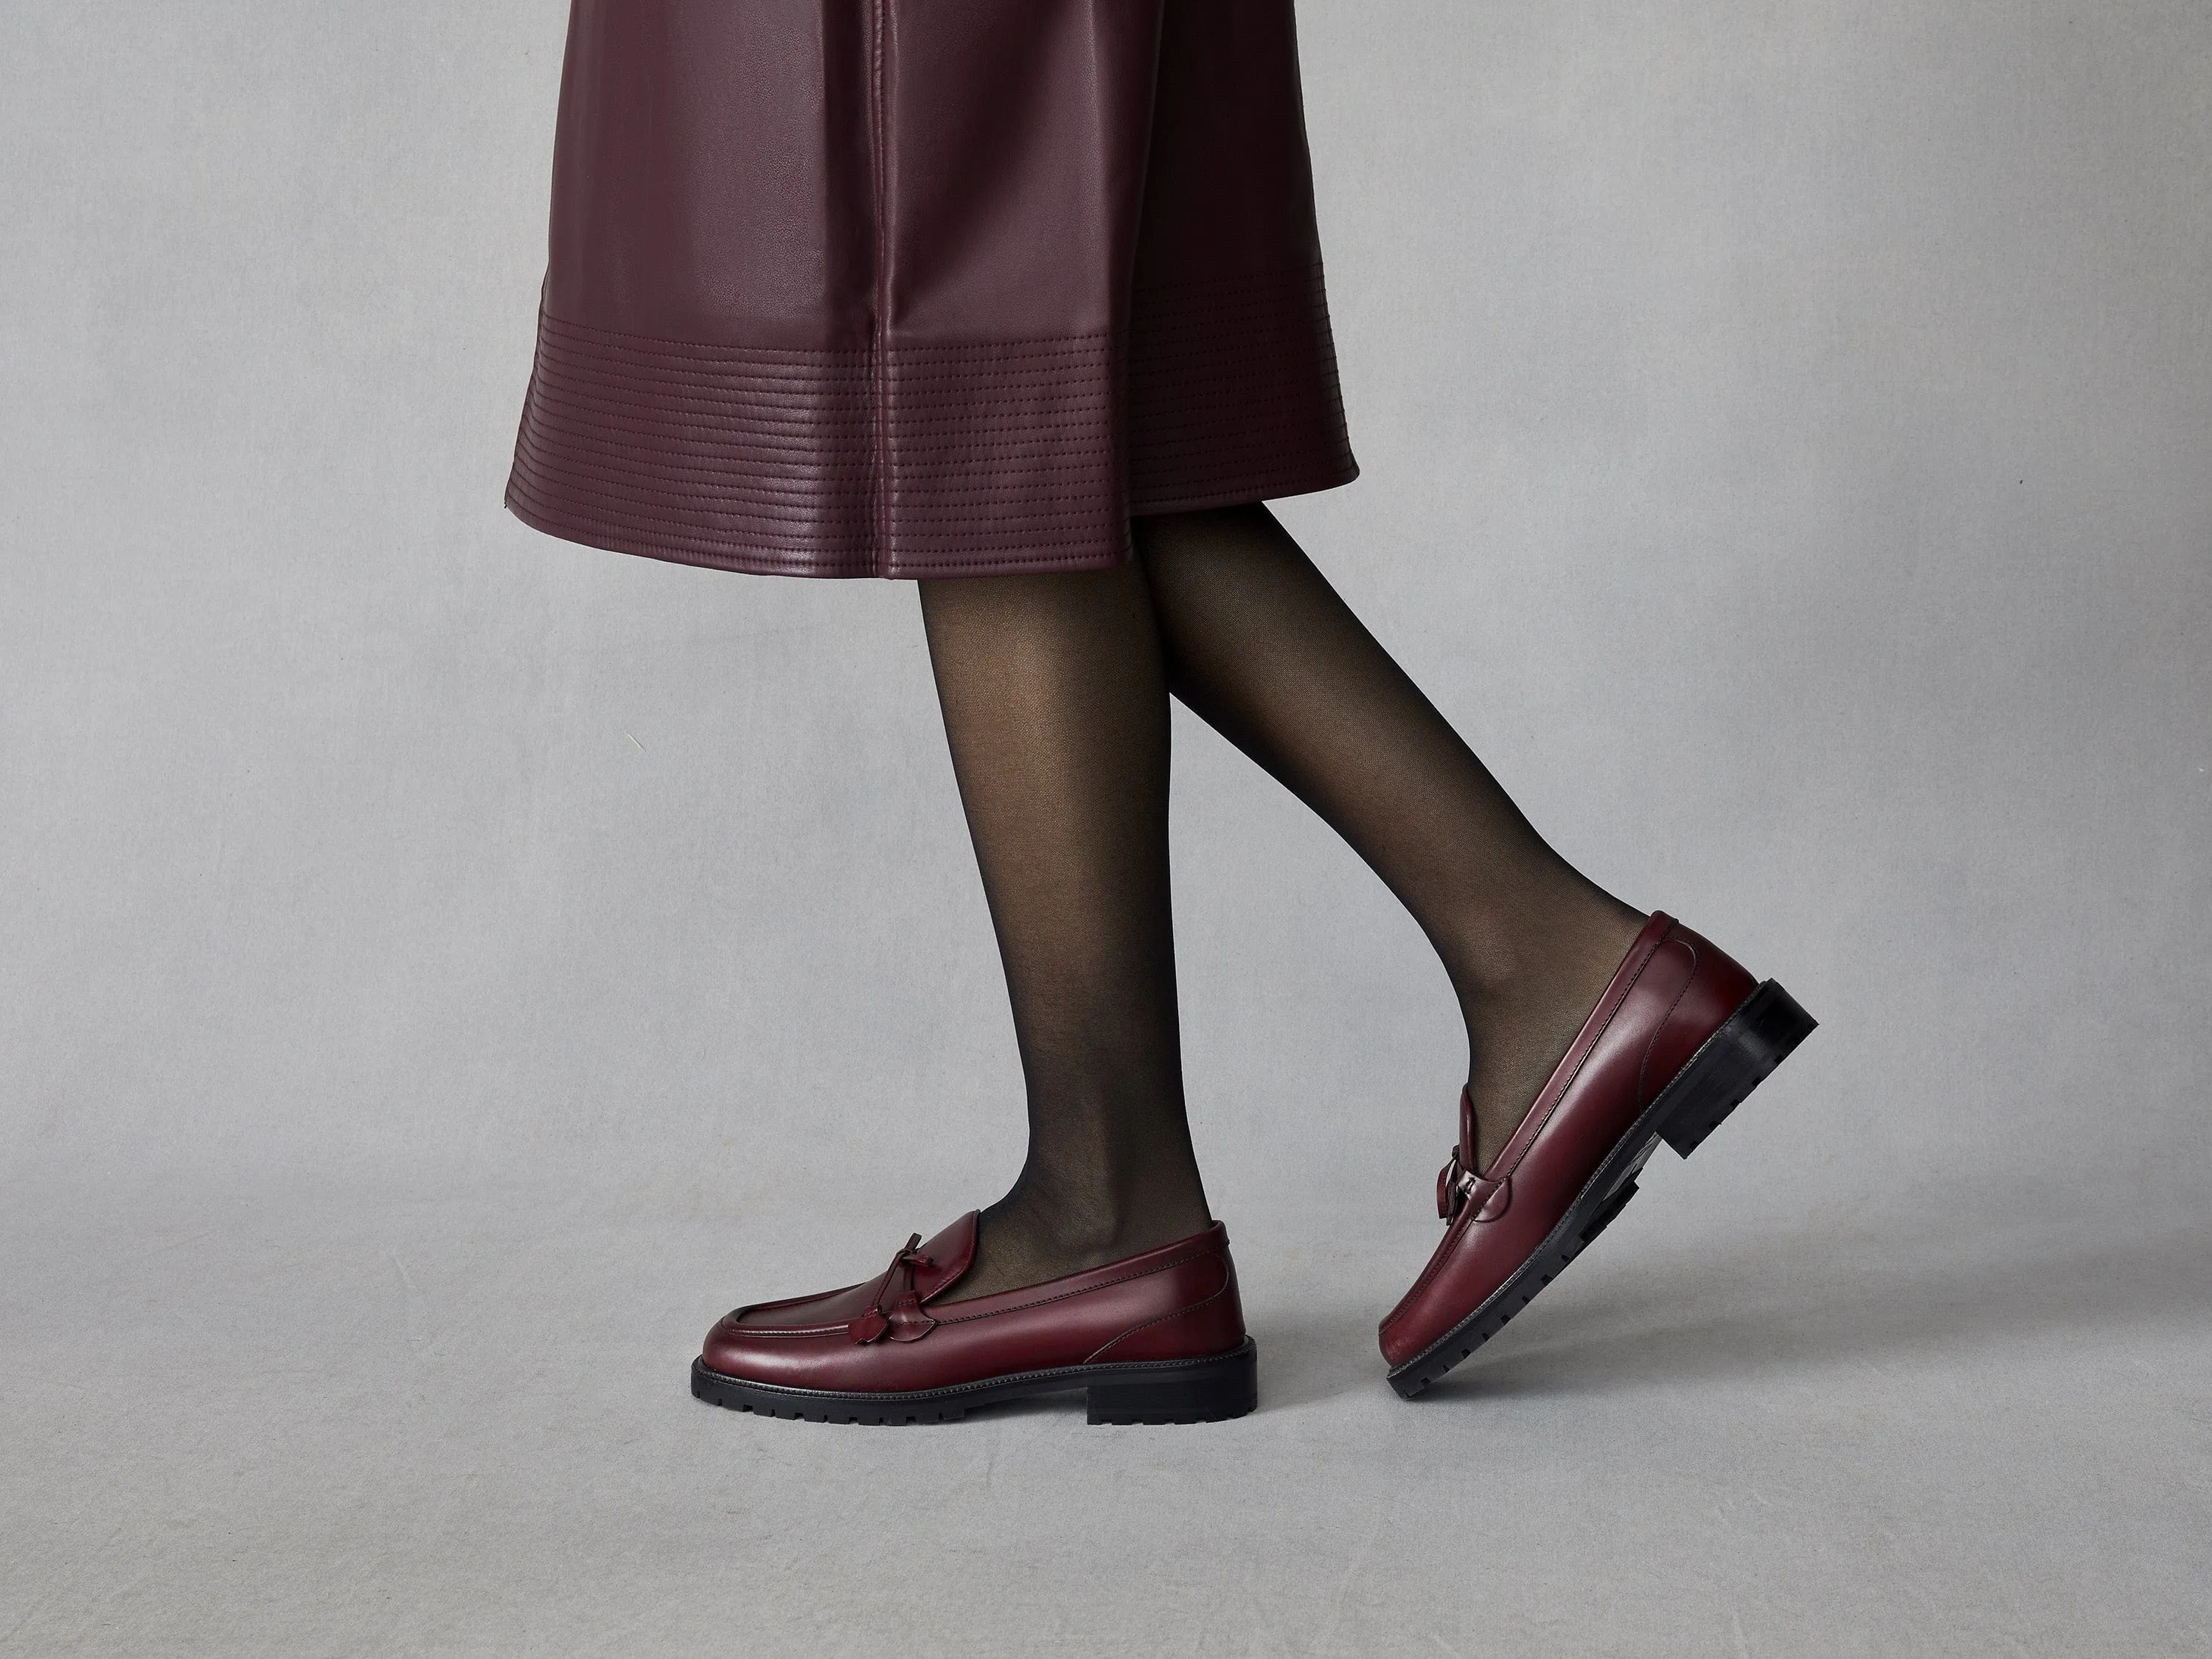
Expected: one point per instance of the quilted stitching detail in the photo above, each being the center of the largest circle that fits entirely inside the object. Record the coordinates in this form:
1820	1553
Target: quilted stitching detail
943	459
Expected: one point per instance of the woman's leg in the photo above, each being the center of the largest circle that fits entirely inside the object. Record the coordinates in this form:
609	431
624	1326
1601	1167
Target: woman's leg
1259	644
1056	700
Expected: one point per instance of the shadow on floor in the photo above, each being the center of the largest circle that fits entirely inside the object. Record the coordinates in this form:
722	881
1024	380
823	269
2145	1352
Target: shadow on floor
1814	1305
1790	1304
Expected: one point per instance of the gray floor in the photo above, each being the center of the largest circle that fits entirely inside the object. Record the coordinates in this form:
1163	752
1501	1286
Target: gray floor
442	969
457	1425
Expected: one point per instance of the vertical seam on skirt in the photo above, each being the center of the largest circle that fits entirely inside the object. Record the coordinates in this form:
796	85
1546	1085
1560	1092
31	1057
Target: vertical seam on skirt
878	334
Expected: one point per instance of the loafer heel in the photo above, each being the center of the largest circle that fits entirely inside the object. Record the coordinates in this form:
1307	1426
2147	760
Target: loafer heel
1188	1391
1735	1059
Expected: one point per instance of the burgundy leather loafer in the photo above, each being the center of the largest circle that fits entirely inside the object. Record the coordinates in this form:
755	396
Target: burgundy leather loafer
1681	1035
1155	1338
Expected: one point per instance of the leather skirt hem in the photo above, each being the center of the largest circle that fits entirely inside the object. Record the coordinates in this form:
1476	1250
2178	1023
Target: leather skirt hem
945	458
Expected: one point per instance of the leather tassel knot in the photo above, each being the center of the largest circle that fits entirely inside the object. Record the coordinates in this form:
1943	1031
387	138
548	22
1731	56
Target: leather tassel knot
1457	1187
897	1312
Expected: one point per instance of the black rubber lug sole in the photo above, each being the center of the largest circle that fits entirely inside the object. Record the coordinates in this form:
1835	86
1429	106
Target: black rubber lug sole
1735	1059
1211	1390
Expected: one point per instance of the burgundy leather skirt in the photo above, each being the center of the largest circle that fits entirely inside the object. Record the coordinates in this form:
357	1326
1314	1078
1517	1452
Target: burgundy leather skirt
925	287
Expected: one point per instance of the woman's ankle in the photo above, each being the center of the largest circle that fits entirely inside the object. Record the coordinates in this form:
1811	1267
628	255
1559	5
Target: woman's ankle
1521	1023
1019	1240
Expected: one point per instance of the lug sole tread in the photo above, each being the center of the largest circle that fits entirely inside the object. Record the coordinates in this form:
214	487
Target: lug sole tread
1163	1393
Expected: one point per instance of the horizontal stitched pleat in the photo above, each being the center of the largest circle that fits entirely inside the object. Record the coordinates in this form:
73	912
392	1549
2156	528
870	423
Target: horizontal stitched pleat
945	458
1233	393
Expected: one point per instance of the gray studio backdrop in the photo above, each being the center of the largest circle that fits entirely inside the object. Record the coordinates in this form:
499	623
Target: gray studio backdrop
1788	447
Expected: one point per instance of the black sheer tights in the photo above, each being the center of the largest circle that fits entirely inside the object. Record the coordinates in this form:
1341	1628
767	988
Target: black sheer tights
1054	689
1056	700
